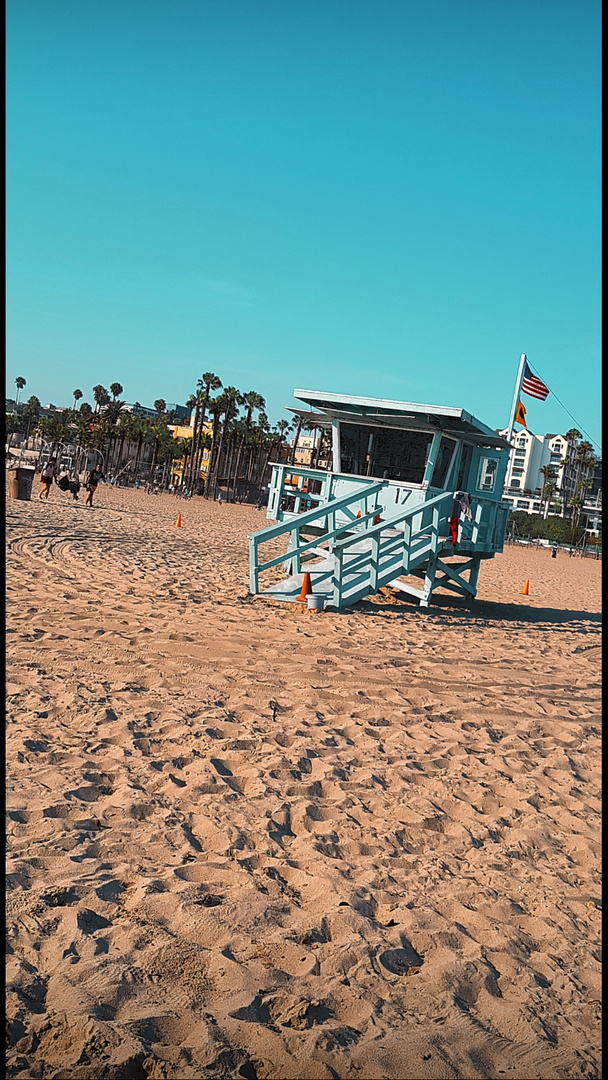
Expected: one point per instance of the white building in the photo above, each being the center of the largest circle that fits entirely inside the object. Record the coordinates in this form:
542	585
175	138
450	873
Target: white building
524	480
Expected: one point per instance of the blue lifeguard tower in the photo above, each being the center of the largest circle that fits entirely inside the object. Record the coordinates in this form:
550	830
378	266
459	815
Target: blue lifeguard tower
413	491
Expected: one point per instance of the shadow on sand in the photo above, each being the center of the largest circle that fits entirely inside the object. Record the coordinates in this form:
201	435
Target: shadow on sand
489	611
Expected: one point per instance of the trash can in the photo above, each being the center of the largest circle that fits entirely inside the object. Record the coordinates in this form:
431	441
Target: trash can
20	483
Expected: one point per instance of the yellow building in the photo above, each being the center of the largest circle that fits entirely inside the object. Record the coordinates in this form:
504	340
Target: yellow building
185	431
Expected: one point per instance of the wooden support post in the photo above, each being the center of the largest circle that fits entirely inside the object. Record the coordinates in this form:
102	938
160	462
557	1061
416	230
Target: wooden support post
253	565
433	454
374	563
435	528
294	546
331	526
337	595
474	574
429	581
407	537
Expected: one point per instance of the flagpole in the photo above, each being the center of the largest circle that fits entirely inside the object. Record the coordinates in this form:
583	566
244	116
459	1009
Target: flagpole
520	379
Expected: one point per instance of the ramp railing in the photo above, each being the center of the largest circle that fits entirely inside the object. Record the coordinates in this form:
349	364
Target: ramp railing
369	554
324	518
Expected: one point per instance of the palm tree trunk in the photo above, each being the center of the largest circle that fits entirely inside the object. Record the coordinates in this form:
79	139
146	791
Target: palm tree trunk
214	466
196	434
236	469
230	455
199	446
295	441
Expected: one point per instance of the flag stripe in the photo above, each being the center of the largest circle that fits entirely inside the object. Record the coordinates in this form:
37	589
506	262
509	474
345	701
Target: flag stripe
533	386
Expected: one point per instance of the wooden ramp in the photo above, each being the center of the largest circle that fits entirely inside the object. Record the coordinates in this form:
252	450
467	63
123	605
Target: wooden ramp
349	557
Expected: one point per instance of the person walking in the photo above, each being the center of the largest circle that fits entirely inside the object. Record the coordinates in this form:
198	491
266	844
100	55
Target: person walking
47	477
91	484
74	485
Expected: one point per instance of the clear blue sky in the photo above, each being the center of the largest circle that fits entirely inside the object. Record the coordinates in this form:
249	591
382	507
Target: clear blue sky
385	197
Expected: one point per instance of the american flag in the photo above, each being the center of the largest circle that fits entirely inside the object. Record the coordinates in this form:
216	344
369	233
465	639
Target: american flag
532	385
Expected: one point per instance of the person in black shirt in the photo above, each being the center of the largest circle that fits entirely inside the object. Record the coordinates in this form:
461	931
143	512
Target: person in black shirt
74	485
91	484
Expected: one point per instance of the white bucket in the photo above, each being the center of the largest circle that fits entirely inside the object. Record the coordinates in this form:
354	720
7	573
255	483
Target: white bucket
315	603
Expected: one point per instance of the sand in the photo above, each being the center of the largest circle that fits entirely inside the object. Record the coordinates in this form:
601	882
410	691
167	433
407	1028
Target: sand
248	840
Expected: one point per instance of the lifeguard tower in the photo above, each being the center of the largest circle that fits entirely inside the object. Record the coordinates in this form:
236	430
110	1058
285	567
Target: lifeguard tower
414	491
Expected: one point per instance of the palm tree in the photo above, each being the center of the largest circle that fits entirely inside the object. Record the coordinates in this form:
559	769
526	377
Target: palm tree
113	413
300	423
216	408
584	462
140	431
124	433
41	429
252	400
194	403
548	472
208	383
76	394
229	402
20	383
12	424
576	506
161	407
157	433
101	396
114	410
549	490
31	412
572	436
56	431
85	409
115	390
261	440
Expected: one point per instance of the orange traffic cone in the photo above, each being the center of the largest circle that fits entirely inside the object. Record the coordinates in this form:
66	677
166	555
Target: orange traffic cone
306	588
179	521
526	588
377	519
358	513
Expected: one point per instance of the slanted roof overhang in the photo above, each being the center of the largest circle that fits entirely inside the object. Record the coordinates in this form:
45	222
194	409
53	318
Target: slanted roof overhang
320	419
378	412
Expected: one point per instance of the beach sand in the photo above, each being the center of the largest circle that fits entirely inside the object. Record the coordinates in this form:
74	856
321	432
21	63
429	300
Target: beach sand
248	840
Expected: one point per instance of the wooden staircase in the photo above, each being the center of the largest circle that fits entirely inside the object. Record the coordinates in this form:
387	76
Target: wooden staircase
350	557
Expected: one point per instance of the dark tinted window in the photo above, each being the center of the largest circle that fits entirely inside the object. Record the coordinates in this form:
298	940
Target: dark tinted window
385	453
462	480
354	449
440	471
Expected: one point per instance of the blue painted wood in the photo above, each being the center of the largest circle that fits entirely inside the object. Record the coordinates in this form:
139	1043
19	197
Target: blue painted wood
358	555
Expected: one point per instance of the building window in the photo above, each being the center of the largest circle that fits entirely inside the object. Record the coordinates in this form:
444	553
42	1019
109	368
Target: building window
515	483
522	504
